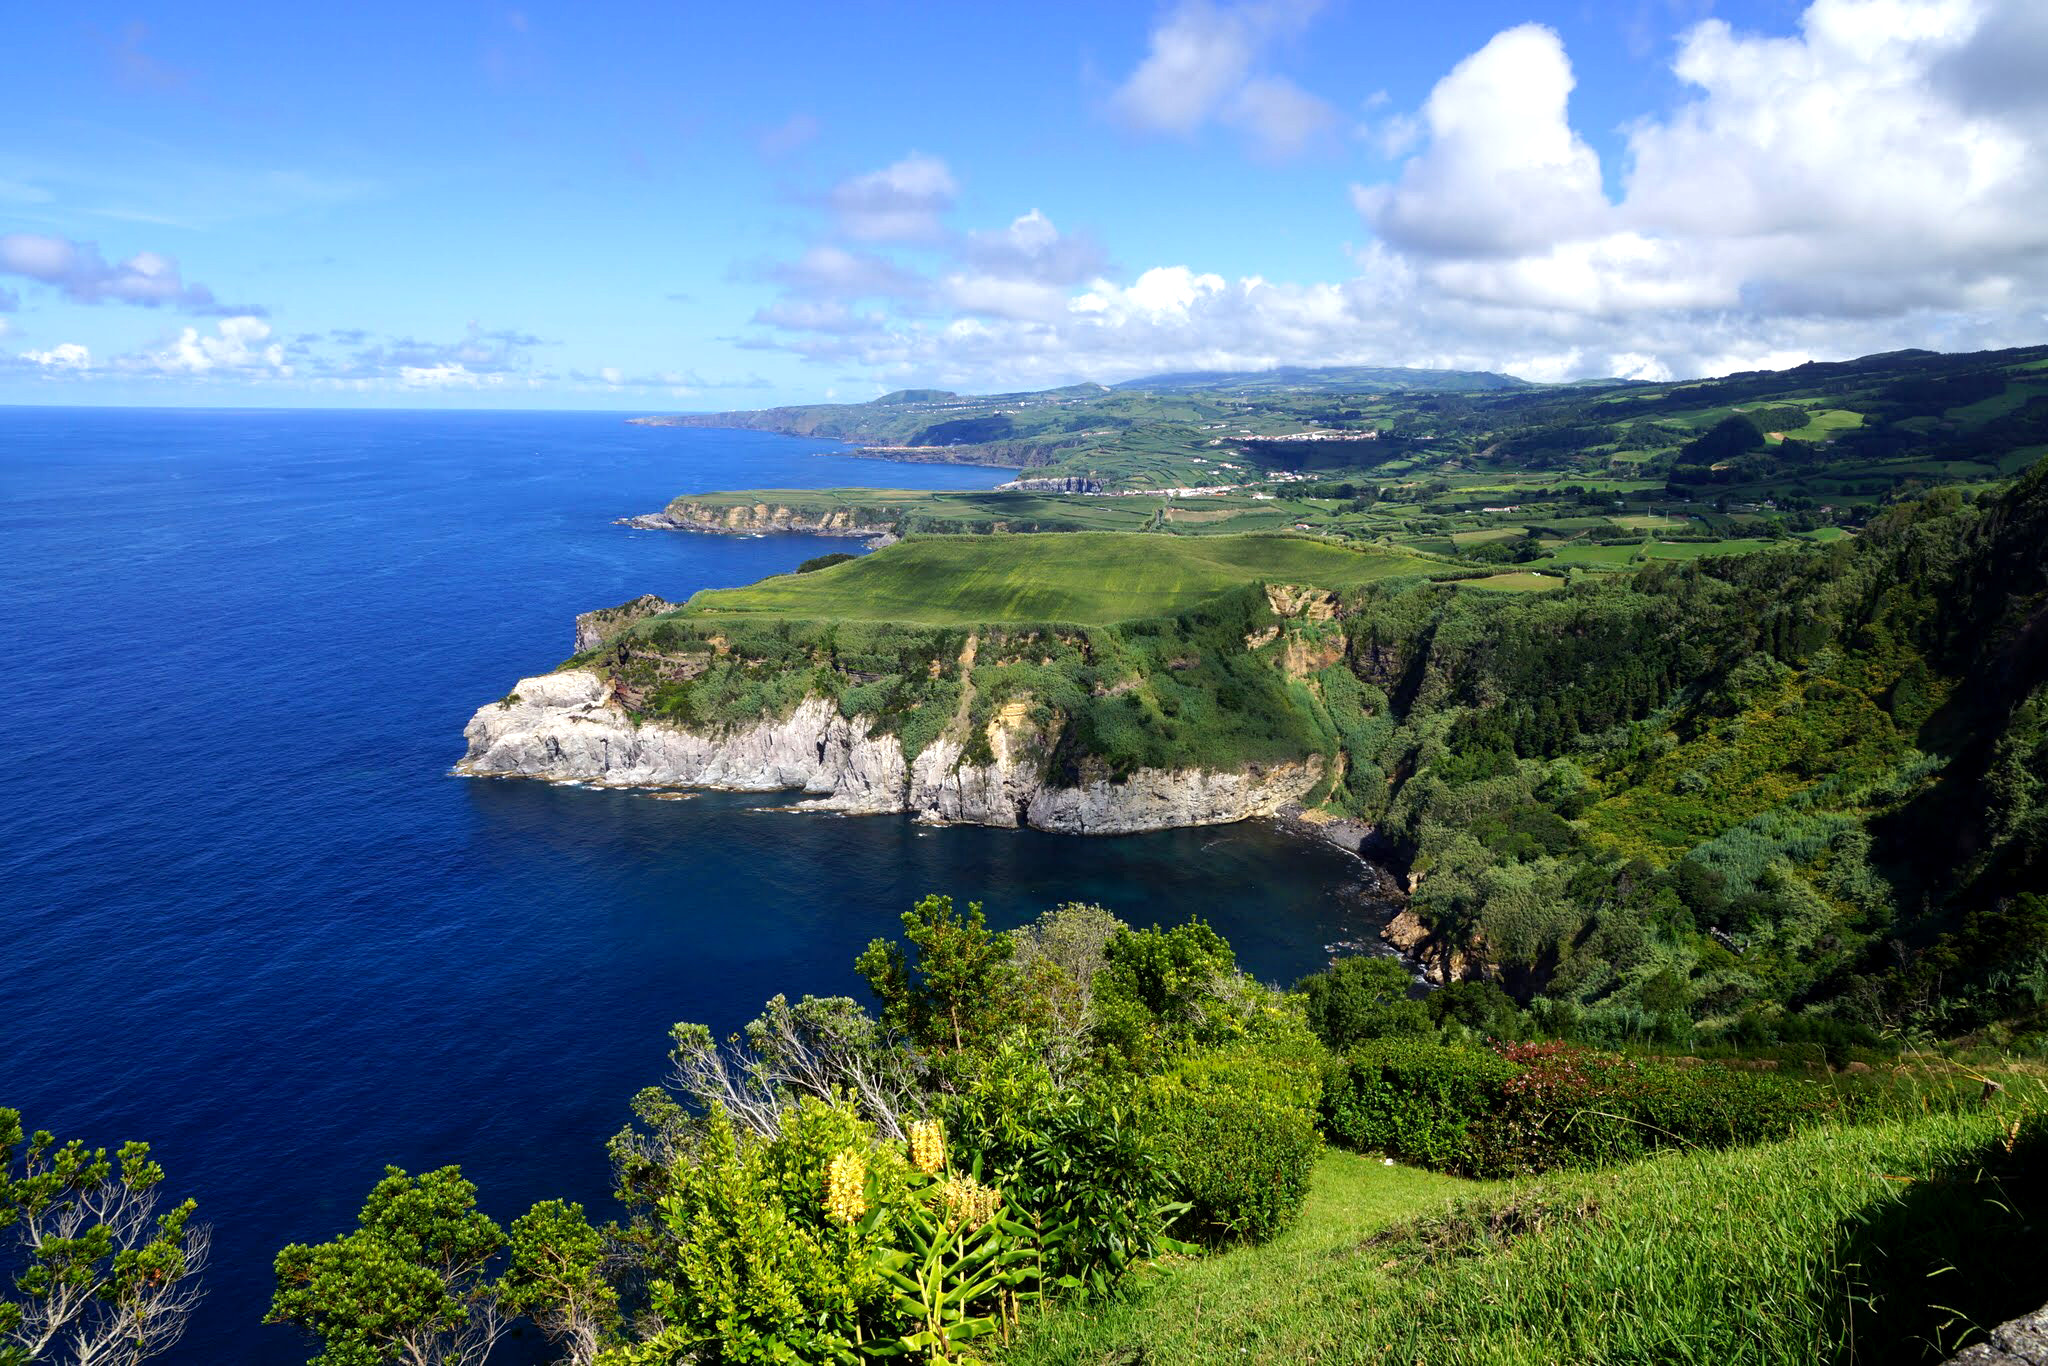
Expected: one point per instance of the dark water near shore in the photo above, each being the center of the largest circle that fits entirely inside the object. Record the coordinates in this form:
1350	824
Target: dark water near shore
246	915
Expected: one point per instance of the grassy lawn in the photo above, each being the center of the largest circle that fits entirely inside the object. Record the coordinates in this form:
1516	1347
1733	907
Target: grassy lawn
1884	1243
1518	581
1254	1300
1085	577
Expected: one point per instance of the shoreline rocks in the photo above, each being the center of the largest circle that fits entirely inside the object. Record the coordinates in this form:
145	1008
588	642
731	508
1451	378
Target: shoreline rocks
569	726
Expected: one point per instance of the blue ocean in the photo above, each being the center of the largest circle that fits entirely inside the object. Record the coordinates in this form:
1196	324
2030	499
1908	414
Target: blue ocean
247	914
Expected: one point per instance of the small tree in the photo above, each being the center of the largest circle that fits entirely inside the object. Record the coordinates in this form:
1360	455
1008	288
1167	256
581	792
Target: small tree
959	990
411	1285
101	1276
1362	998
407	1286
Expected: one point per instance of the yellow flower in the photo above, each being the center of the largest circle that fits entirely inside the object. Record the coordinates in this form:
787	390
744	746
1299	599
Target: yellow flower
846	1179
927	1146
969	1201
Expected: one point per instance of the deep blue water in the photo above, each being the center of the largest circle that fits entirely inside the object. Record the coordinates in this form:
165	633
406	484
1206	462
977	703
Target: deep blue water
246	914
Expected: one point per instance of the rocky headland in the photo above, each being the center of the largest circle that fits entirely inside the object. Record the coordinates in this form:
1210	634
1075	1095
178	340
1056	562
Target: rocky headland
572	726
754	518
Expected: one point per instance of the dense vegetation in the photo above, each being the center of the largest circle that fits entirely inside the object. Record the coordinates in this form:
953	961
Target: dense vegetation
1738	797
1031	1121
1588	478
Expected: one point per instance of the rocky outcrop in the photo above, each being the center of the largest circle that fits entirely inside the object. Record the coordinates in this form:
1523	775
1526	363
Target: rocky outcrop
749	518
2016	1342
595	628
570	726
1072	484
1442	962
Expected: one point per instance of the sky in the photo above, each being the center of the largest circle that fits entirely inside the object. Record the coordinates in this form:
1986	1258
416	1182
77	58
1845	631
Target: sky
680	206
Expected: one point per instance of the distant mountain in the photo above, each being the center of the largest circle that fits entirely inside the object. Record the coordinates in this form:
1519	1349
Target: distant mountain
1327	379
902	396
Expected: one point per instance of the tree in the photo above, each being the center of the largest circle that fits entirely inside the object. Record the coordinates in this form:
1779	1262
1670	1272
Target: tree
557	1280
102	1276
411	1285
1362	998
959	990
407	1286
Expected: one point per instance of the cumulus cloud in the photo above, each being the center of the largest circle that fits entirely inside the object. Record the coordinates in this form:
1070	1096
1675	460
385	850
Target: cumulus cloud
1503	170
238	346
1877	178
1839	172
902	202
81	274
64	356
1202	65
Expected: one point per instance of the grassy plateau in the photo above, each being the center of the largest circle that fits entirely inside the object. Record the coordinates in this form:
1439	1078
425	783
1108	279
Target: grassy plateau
1085	578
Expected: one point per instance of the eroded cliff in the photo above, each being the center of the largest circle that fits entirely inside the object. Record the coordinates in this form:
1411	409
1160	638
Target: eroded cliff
572	726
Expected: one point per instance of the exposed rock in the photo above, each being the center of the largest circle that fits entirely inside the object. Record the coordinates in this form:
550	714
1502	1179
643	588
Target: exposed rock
1071	484
748	519
595	628
1292	600
1442	962
570	726
2016	1342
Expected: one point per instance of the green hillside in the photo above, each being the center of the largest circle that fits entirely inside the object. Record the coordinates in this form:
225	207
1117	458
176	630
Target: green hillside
1088	578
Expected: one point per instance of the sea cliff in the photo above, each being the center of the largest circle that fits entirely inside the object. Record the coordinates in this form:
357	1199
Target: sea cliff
571	726
751	518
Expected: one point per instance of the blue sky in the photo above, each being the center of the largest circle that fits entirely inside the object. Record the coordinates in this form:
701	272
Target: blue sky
688	206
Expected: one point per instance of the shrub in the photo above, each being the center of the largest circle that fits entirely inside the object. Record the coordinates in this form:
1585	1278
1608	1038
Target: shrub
1416	1101
1362	998
1568	1107
1077	1166
1240	1158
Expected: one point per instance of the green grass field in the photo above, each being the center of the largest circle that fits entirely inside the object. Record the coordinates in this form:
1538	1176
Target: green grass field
1891	1242
1086	578
1521	581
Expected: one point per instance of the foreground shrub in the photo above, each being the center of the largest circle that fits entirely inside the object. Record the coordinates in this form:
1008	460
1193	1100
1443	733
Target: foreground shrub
1420	1102
1522	1108
1569	1107
1078	1166
1241	1158
1363	998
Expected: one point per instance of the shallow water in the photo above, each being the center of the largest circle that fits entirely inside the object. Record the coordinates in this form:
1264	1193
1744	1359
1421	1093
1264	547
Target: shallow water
250	917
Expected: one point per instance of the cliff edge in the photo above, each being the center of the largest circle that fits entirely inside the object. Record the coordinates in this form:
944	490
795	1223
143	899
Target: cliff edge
571	726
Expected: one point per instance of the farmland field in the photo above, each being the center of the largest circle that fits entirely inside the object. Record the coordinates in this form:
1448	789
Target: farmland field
1082	577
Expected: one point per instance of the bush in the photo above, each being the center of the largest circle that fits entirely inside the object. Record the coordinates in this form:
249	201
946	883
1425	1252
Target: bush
1568	1107
1241	1158
817	562
1360	999
1416	1101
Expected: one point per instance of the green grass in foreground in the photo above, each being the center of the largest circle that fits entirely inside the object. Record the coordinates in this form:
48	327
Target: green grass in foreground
1087	578
1828	1247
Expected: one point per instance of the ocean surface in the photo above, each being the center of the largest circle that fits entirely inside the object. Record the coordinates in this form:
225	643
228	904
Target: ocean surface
247	914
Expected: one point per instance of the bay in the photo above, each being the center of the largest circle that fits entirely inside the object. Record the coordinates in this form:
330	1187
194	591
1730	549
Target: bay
247	914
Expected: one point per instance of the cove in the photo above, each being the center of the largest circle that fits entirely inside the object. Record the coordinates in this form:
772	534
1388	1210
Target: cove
251	918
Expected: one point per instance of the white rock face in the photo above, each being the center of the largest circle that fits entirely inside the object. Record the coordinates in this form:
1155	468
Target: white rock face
566	726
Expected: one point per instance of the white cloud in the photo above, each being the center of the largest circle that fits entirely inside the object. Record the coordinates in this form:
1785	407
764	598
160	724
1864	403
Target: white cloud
902	202
1503	170
1201	65
1281	117
447	375
240	345
81	274
1876	179
63	356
